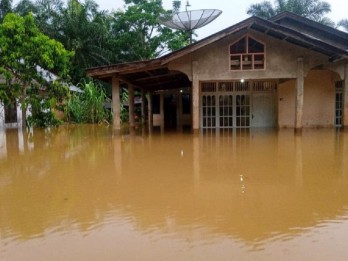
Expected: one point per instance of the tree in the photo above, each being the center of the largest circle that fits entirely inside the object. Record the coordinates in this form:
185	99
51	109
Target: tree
5	7
138	35
83	29
98	37
176	6
24	7
26	57
344	24
311	9
80	26
47	15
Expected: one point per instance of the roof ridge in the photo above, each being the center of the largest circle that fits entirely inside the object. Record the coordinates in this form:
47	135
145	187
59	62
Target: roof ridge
310	22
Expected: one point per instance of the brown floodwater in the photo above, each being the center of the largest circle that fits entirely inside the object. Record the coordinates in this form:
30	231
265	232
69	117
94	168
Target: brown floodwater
82	193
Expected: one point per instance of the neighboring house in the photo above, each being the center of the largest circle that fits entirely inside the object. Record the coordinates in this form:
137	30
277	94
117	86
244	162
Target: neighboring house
285	72
11	114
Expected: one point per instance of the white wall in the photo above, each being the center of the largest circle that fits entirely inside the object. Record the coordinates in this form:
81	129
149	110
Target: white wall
2	115
3	148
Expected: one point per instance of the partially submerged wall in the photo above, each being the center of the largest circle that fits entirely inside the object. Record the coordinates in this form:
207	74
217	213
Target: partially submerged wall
319	100
212	63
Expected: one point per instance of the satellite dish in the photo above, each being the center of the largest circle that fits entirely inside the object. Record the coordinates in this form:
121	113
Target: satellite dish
189	20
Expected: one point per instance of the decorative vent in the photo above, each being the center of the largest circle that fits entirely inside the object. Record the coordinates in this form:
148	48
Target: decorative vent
225	86
241	86
208	87
264	86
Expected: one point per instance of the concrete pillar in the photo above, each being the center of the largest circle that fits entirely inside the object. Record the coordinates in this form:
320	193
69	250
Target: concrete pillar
150	114
299	94
131	105
195	98
116	103
142	106
345	98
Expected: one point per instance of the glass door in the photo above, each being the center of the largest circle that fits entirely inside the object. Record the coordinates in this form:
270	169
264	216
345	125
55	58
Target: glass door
242	110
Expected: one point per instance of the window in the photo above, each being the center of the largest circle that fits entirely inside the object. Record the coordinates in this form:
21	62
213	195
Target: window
11	113
247	54
339	104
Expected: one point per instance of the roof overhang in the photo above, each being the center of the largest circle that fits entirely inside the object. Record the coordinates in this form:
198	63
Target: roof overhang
150	75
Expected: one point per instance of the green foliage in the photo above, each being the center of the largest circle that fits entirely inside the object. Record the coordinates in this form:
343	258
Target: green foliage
79	26
84	30
26	58
137	32
5	8
88	106
98	37
176	6
344	24
311	9
42	114
124	114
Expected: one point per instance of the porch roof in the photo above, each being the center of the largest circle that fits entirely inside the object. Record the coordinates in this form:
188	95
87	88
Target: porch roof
154	74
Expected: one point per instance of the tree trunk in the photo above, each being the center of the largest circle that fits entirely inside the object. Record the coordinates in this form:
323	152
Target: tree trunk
24	109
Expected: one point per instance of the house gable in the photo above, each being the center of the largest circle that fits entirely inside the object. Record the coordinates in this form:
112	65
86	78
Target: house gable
280	59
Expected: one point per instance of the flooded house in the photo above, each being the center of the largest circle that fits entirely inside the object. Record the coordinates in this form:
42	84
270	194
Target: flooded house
11	113
285	72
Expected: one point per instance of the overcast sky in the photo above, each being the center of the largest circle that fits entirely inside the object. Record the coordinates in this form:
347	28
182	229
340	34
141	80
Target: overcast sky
234	11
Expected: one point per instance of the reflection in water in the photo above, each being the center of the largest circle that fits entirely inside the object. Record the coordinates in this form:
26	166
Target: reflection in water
82	193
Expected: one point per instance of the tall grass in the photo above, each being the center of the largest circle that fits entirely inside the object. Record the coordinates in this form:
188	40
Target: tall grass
87	106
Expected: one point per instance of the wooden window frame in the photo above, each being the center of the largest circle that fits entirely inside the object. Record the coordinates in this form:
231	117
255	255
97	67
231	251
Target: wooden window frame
247	61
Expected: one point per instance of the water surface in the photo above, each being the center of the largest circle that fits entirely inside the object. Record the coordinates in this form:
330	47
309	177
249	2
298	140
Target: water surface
82	193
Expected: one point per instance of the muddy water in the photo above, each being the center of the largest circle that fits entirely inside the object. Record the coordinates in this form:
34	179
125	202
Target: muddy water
81	193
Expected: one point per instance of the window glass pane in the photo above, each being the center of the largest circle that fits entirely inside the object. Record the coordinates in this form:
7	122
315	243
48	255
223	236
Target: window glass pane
254	46
209	101
11	112
239	47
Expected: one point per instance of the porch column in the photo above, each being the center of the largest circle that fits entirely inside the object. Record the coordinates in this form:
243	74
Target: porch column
142	106
116	103
149	109
299	95
195	98
131	105
345	98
